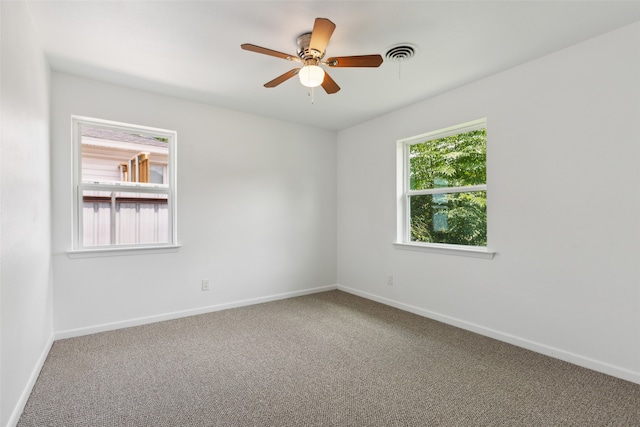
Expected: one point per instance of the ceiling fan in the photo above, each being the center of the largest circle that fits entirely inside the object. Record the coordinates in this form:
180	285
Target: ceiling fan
311	51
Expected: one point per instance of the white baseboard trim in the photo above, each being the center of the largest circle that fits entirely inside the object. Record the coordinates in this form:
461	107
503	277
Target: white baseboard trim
576	359
26	392
70	333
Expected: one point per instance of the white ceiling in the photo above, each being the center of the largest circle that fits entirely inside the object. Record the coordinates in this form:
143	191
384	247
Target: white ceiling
191	49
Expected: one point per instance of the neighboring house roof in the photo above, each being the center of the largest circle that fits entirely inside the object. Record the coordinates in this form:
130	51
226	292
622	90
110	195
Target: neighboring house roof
114	135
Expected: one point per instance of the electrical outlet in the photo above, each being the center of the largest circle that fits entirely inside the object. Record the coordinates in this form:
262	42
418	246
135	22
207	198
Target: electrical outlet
205	284
390	280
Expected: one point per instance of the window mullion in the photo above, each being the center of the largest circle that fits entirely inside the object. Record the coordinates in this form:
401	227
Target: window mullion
125	188
114	210
444	190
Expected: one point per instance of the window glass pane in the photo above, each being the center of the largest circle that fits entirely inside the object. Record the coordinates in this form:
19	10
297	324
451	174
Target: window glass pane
124	218
141	219
117	156
96	218
452	161
453	218
156	174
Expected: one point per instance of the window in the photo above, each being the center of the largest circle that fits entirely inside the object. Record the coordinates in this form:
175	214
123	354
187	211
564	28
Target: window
124	184
442	188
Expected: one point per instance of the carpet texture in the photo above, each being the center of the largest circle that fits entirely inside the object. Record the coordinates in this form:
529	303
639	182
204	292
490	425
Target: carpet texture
328	359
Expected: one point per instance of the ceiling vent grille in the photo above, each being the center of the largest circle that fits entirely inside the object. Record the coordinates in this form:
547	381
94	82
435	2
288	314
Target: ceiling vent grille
401	52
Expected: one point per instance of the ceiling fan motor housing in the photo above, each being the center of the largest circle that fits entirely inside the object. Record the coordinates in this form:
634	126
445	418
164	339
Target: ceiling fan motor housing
308	56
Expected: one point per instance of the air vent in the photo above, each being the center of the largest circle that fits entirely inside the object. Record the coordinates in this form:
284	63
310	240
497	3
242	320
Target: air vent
401	52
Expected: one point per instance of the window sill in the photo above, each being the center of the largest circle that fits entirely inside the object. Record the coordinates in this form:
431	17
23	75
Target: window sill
121	251
468	251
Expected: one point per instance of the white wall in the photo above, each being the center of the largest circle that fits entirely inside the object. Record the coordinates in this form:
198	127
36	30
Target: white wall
256	212
563	153
26	327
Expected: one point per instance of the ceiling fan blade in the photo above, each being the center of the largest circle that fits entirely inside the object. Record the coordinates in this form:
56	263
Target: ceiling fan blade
322	30
355	61
265	51
283	78
329	85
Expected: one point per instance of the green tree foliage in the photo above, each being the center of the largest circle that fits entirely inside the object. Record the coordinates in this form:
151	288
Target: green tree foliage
452	161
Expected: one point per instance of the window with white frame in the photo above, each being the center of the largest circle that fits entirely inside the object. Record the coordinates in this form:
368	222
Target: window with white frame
443	187
125	185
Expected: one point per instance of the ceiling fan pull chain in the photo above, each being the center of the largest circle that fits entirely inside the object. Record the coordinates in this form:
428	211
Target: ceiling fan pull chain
310	93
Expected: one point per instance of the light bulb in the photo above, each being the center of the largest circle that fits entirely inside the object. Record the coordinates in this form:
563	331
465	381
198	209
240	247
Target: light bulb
311	75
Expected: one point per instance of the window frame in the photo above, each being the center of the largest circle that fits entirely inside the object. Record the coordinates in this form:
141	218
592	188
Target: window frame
404	194
78	187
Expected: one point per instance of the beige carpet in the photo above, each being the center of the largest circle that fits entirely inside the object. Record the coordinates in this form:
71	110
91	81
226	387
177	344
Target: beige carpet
329	359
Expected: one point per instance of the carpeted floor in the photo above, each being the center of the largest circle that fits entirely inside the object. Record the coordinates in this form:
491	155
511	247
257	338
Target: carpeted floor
329	359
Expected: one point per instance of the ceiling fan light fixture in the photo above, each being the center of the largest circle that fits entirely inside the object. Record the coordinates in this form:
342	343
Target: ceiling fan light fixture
311	75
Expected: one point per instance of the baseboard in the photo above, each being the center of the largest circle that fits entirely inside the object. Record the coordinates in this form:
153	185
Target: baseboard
550	351
26	392
70	333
